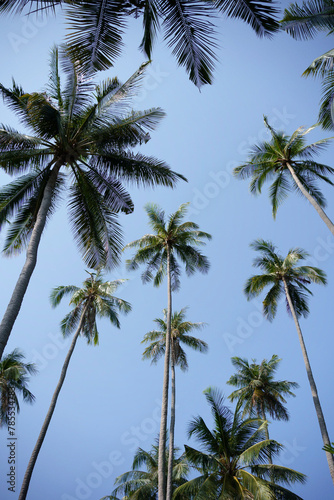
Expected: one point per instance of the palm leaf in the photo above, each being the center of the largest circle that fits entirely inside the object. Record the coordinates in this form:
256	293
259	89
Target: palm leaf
190	33
95	36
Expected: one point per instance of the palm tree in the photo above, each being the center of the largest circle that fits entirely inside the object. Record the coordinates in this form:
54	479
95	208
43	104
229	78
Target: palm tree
94	300
143	485
284	276
172	240
156	339
81	140
96	28
289	161
233	463
258	392
14	380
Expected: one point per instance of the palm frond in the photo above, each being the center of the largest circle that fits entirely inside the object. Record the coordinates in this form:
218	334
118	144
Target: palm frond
191	35
95	37
261	16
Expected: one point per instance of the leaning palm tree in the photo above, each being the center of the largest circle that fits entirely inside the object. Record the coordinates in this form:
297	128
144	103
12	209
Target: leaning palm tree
258	392
283	276
288	160
180	329
233	463
96	28
172	240
94	300
14	378
143	485
82	141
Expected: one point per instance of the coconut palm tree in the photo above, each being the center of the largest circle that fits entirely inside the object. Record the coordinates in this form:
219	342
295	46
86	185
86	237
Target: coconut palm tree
283	276
82	141
180	329
143	485
159	252
233	463
94	300
96	28
14	378
288	160
258	392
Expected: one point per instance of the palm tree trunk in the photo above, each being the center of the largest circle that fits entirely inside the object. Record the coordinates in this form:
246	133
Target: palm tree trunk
172	428
310	198
22	283
45	426
164	406
316	401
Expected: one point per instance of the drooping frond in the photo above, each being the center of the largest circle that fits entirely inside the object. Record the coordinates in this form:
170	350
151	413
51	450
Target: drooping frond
190	34
95	37
261	16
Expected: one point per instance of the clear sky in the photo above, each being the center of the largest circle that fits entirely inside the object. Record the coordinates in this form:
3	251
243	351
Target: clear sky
110	401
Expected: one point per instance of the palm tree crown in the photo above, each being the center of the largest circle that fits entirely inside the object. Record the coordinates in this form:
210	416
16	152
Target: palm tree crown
143	485
96	28
14	377
173	236
233	463
288	161
95	299
258	391
278	272
88	135
180	329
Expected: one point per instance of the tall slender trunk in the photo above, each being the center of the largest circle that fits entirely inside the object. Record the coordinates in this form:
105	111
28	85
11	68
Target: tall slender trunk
22	283
164	406
172	427
316	401
45	426
310	198
263	416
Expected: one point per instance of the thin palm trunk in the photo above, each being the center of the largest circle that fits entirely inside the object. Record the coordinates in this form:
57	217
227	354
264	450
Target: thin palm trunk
263	416
164	406
45	426
172	428
316	401
22	283
310	198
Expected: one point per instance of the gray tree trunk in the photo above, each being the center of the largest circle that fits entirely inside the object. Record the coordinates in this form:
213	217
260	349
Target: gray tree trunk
22	283
164	406
172	427
310	198
45	426
316	400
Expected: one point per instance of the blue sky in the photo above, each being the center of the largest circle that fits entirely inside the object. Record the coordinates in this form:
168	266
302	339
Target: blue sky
110	401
